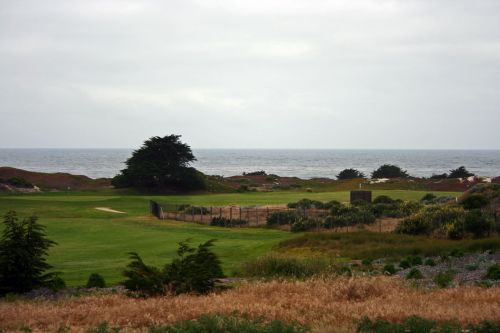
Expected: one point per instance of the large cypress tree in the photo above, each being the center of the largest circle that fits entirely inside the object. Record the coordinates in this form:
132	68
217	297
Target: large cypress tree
161	163
23	251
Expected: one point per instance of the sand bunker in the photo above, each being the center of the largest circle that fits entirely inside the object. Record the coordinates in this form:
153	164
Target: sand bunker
109	210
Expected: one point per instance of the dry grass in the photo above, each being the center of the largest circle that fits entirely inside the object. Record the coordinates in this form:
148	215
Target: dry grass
323	304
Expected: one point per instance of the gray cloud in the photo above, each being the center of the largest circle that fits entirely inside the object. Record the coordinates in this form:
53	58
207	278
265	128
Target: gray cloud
234	73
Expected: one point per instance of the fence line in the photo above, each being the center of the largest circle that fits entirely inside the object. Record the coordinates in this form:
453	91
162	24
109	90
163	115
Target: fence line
254	216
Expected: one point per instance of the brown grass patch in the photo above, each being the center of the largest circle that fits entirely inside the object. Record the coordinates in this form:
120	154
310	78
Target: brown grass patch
320	303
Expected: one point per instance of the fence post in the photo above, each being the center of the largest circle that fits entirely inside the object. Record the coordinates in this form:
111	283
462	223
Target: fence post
257	214
231	213
201	215
220	212
267	212
240	212
211	211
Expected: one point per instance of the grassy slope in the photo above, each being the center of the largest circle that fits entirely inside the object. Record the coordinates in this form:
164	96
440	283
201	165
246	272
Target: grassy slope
93	241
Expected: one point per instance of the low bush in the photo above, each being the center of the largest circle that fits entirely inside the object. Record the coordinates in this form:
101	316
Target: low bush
389	269
282	218
366	262
493	272
305	224
96	281
194	210
478	223
255	173
194	270
19	182
428	197
56	283
429	262
474	201
228	223
414	260
414	273
272	266
417	324
383	199
228	324
404	264
444	279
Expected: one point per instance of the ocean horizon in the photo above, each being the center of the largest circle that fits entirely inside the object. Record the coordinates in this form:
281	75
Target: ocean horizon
303	163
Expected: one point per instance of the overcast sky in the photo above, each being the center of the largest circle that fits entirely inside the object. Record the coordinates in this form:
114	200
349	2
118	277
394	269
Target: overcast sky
251	74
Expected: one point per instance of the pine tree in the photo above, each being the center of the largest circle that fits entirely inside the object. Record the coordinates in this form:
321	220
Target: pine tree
23	251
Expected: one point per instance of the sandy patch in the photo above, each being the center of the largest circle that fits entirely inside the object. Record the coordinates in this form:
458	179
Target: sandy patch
109	210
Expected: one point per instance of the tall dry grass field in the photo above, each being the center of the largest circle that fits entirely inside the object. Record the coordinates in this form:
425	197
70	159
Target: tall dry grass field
323	304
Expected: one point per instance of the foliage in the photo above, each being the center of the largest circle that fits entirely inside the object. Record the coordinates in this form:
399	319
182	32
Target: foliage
428	197
433	219
389	171
460	172
195	210
415	324
389	269
305	224
439	176
383	199
443	279
478	222
228	324
273	266
404	264
96	281
228	223
19	182
429	262
23	251
493	272
255	173
142	279
195	270
56	283
282	218
474	201
161	163
414	273
350	174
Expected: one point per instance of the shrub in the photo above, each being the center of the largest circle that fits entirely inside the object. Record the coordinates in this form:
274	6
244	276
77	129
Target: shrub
474	201
414	260
429	262
389	171
305	224
96	281
457	253
414	273
306	204
439	176
282	218
366	262
350	174
428	197
195	270
478	222
493	272
389	269
404	264
333	222
460	172
194	210
272	266
432	219
383	199
23	251
229	324
228	223
416	324
19	182
443	279
142	279
56	283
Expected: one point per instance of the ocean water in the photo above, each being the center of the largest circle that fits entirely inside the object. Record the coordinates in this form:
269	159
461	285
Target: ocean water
311	163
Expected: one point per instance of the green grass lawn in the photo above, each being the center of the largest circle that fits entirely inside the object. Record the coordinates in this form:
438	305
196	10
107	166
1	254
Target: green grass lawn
93	241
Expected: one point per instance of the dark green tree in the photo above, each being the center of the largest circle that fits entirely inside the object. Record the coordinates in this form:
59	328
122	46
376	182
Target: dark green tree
460	172
389	171
143	279
23	251
161	163
350	174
